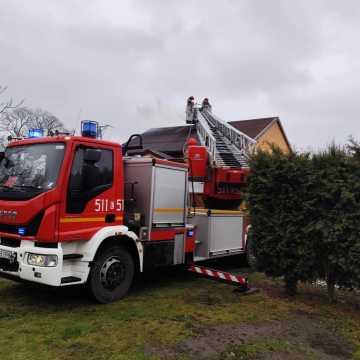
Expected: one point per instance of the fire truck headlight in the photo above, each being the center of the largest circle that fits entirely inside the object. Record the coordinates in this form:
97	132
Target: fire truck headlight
42	260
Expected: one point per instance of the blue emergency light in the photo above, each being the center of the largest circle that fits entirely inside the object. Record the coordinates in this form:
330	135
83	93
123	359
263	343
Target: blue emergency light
89	128
21	231
36	133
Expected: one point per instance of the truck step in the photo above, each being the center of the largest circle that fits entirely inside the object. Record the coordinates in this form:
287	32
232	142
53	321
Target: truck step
70	279
72	256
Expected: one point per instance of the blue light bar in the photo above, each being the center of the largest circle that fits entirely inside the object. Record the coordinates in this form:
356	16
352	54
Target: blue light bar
21	231
36	133
190	233
89	128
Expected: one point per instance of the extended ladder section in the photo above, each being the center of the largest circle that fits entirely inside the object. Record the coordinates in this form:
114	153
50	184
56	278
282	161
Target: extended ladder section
227	145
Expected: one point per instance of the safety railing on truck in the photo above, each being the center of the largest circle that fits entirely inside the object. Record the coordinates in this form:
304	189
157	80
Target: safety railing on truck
205	135
237	138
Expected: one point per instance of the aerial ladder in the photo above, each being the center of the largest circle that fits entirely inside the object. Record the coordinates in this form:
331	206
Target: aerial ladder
230	144
227	150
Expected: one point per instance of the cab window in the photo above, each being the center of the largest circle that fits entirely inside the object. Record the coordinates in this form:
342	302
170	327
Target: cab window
91	174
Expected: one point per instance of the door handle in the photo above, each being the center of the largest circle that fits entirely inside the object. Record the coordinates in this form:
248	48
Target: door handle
109	218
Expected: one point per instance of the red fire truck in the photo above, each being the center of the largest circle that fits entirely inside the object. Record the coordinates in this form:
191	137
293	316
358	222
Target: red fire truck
77	210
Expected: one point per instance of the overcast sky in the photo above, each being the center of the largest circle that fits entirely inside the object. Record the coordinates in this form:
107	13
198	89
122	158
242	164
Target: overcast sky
132	64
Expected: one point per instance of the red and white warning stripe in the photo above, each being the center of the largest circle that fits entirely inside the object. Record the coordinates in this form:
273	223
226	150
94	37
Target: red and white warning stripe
220	275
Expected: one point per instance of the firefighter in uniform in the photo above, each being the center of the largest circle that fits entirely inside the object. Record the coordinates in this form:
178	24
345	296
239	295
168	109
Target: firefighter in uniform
206	105
190	110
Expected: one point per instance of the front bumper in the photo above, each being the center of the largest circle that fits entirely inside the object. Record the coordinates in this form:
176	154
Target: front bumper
64	273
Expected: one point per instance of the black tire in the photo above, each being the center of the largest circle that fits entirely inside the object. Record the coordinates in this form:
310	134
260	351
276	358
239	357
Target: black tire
111	274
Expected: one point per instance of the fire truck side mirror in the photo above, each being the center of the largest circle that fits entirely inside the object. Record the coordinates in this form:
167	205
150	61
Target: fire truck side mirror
92	155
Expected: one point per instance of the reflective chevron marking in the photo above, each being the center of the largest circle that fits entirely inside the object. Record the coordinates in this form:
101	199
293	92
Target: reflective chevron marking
221	275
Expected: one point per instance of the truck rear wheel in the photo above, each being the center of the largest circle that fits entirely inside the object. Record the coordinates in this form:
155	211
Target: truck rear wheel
111	274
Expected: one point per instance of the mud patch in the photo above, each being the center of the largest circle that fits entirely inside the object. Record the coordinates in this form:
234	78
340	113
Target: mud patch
330	345
299	337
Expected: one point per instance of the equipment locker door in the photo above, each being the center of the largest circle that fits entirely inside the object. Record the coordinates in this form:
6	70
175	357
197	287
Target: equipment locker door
225	234
169	197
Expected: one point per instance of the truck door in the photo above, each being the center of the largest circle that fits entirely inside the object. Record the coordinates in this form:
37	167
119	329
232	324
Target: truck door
93	199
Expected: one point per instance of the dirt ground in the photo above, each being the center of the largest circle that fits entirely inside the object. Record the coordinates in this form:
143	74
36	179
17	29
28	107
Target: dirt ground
307	338
301	335
172	314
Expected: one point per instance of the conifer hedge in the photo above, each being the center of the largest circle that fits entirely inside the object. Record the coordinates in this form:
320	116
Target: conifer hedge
305	215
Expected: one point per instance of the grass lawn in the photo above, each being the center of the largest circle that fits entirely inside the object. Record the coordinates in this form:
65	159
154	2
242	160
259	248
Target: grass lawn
171	314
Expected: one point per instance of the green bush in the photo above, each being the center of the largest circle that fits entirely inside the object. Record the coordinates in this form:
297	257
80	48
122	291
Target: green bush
279	202
305	214
336	223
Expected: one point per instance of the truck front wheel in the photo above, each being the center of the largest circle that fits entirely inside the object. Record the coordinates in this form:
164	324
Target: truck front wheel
111	274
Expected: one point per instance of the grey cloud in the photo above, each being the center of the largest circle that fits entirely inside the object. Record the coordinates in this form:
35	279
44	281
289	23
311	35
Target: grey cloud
132	64
114	40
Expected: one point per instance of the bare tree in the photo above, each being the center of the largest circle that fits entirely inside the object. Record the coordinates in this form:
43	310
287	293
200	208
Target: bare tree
5	107
42	119
17	122
9	104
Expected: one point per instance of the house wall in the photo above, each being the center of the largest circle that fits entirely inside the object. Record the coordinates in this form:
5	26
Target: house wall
273	135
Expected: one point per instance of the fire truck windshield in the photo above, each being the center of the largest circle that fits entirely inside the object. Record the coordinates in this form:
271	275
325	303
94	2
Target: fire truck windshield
30	168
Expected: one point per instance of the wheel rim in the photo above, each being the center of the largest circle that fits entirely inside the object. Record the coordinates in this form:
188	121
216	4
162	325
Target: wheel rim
112	273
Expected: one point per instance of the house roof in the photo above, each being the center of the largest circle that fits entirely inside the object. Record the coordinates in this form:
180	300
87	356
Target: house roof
254	127
169	140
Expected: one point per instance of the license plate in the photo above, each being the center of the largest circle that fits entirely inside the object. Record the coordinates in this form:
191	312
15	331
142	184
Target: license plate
6	254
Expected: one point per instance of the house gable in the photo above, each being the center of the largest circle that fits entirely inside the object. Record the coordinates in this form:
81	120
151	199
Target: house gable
265	131
273	134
